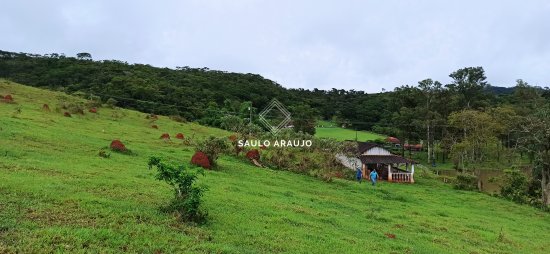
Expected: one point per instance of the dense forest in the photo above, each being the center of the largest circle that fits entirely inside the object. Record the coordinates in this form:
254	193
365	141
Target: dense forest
206	95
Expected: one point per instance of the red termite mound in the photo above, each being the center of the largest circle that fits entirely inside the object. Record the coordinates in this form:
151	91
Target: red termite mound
93	110
253	154
8	98
67	114
392	236
179	136
154	126
200	159
165	136
117	145
45	107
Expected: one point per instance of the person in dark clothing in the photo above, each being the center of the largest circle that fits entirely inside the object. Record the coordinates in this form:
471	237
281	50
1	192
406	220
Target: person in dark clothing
359	175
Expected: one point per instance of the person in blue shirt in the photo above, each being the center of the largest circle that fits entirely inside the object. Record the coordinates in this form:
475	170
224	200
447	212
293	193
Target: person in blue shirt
373	177
359	175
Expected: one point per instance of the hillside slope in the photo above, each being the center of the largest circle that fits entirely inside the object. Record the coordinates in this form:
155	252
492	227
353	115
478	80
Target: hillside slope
57	194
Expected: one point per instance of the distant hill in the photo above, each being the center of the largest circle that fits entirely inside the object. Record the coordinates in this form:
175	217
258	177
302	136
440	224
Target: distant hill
204	95
499	90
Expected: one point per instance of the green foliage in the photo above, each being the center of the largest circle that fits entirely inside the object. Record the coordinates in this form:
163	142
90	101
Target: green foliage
466	182
304	118
187	195
111	103
104	154
515	186
71	105
213	147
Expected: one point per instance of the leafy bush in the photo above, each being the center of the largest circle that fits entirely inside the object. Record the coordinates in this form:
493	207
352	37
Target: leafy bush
515	187
111	103
93	102
212	147
70	106
178	118
118	114
187	195
466	182
104	154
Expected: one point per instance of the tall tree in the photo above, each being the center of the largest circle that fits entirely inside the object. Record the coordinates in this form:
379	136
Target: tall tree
536	139
304	118
430	91
470	87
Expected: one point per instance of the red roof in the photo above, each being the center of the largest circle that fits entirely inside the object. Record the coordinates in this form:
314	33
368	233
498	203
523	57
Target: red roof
393	140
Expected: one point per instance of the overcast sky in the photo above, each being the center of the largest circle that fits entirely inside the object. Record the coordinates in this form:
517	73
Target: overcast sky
361	45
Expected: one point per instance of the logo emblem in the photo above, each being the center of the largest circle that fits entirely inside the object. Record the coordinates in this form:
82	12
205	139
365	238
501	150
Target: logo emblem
275	124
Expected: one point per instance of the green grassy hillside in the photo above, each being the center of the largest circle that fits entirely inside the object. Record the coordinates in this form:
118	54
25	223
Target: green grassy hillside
58	195
326	129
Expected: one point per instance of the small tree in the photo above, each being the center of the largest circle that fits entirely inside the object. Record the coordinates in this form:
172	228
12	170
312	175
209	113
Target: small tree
187	195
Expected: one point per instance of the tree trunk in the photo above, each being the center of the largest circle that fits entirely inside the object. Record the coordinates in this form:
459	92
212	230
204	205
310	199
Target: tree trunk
545	184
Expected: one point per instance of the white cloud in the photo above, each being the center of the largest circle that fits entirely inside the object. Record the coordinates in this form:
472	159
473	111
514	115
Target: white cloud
361	45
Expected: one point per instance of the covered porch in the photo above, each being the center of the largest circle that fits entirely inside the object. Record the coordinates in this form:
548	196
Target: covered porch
391	168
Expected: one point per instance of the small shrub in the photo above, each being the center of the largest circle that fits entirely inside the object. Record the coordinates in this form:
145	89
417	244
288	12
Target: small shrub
253	154
104	154
233	138
515	187
93	110
165	136
178	118
67	105
152	117
67	114
118	114
94	102
200	159
466	182
187	195
154	126
118	146
180	136
111	103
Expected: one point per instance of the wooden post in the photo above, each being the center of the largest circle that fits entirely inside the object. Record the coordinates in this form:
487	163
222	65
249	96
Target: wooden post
364	171
412	173
389	173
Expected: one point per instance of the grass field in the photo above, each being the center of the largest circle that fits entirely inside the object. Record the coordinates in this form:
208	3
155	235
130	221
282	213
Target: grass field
330	130
58	195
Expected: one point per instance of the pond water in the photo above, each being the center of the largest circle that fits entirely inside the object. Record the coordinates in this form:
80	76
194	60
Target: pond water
490	181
